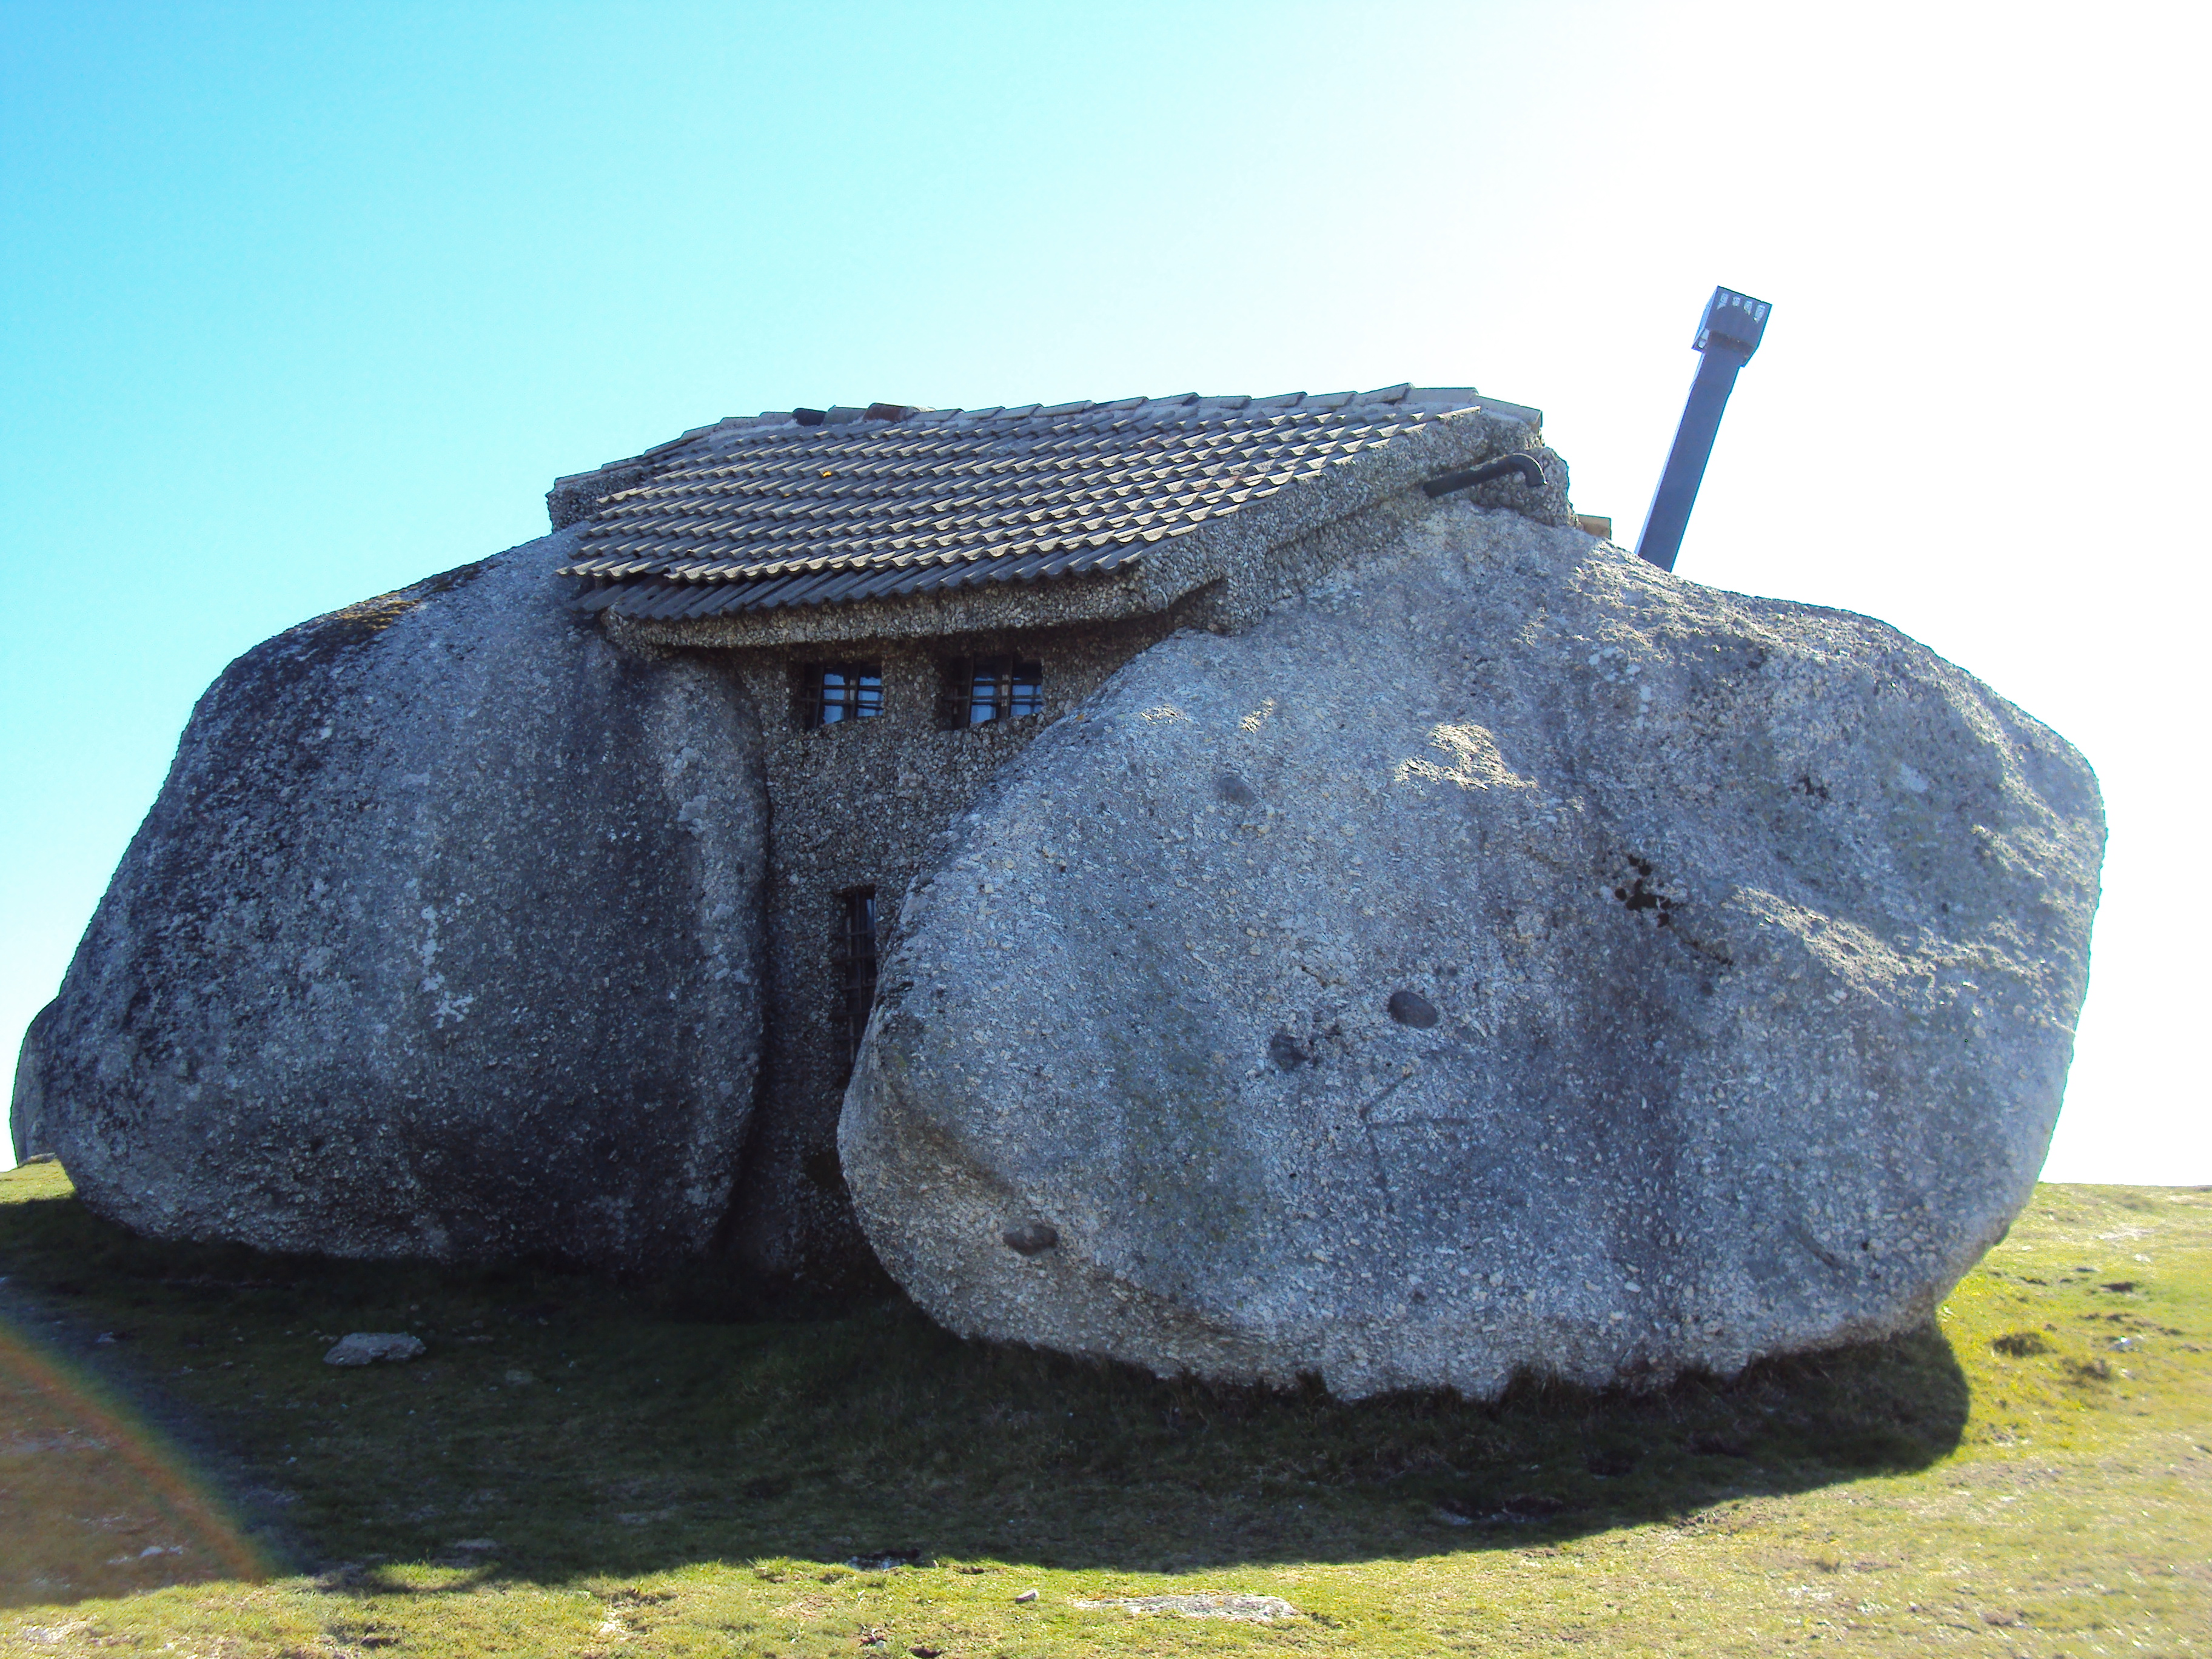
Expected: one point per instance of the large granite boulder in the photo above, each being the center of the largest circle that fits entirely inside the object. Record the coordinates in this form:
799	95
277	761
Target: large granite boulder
1507	957
442	940
27	1113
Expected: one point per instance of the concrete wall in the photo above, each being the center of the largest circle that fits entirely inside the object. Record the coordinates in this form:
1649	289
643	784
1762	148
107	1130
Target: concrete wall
866	802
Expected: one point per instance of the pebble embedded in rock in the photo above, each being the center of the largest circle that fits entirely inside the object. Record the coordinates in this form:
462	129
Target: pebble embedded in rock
1031	1237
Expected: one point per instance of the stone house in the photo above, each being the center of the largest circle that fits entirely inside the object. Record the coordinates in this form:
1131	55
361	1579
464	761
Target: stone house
1254	888
908	596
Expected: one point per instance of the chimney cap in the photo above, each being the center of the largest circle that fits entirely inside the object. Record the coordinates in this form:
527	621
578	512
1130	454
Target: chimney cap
1734	322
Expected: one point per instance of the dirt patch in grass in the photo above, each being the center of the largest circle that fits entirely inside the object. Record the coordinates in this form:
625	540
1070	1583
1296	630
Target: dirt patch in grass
577	1465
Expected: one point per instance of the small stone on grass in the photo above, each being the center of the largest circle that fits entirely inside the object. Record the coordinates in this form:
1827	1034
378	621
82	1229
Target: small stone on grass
364	1348
1259	1609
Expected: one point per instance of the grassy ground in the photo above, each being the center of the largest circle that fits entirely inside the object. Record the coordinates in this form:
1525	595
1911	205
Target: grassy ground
580	1467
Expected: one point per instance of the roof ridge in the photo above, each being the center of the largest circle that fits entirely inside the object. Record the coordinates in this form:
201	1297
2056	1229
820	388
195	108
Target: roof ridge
1183	405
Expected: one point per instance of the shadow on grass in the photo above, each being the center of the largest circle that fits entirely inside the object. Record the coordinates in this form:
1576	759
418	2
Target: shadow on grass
563	1427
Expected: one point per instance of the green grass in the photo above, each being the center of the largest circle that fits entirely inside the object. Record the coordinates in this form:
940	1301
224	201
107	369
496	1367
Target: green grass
659	1477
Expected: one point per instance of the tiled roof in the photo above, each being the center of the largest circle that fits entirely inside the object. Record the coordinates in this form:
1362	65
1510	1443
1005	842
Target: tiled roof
809	508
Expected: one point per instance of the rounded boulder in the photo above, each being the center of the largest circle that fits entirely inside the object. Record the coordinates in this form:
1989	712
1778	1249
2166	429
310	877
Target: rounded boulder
1506	957
442	940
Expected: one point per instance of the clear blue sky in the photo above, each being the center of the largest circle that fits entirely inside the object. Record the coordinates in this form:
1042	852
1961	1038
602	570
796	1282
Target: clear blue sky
303	303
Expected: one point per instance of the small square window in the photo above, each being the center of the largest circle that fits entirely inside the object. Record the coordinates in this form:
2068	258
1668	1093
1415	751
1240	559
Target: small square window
856	964
1000	689
838	692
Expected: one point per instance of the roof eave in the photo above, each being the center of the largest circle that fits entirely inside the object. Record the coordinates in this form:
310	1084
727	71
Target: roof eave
986	607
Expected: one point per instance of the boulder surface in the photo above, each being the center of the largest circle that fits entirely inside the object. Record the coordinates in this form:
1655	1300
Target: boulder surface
1507	957
442	940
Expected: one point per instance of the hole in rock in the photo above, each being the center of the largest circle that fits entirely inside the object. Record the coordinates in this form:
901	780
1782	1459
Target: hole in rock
1412	1008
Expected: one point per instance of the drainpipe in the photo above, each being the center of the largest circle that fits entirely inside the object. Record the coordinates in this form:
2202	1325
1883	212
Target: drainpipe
1726	335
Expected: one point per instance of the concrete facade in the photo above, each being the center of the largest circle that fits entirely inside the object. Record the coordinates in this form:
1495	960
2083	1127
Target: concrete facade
863	804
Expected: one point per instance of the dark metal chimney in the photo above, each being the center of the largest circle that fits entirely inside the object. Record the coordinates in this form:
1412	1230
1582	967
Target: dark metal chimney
1726	335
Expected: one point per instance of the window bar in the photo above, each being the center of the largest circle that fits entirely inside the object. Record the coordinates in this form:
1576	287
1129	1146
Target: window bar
859	968
847	692
1000	689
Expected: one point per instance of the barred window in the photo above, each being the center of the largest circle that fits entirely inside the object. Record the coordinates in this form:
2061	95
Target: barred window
1000	689
838	692
857	966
